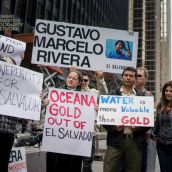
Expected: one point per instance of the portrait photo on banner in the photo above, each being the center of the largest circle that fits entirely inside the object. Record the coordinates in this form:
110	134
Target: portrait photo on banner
119	49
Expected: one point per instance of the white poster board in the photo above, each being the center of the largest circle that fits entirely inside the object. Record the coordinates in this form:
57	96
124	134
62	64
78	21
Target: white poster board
126	110
12	48
86	47
17	161
69	122
19	91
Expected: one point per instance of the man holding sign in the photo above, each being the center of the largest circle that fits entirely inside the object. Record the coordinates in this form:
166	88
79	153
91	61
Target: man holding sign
125	142
149	152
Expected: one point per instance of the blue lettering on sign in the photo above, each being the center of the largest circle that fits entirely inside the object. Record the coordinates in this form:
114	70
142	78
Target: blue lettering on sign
132	109
104	99
116	100
101	109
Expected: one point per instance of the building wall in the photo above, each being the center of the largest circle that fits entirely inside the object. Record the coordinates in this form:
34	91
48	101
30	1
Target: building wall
165	61
100	13
103	13
144	17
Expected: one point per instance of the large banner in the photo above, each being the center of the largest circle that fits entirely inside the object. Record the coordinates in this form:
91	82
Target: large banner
19	91
12	48
86	47
126	110
17	161
69	122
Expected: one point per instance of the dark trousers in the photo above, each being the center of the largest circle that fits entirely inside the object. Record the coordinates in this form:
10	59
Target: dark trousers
88	161
129	154
165	157
63	163
6	143
144	159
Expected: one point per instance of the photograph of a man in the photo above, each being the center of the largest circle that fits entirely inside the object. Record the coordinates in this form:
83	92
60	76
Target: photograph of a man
118	49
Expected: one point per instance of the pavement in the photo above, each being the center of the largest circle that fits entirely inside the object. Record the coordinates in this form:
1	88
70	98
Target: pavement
98	165
36	159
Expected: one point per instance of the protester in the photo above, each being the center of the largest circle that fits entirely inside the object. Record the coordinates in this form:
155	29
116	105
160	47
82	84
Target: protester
162	132
63	162
125	144
7	132
149	151
101	88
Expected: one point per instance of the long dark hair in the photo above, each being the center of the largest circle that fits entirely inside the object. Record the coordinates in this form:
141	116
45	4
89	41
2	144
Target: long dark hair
162	106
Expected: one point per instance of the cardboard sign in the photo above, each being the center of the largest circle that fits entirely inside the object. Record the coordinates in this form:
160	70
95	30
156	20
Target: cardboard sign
69	122
86	47
12	48
126	110
17	161
19	91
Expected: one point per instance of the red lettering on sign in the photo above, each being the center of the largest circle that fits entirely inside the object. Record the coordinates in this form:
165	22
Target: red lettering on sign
134	120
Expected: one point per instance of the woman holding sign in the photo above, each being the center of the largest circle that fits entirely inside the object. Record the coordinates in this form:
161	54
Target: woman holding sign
57	162
162	132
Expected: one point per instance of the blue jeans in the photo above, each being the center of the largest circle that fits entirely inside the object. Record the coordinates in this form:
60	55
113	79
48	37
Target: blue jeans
165	157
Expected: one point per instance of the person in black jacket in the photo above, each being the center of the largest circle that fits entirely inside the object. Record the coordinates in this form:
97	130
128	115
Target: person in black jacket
125	144
162	131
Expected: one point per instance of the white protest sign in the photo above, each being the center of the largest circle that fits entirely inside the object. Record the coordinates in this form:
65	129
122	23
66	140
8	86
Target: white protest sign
69	122
126	110
86	47
12	48
17	161
19	91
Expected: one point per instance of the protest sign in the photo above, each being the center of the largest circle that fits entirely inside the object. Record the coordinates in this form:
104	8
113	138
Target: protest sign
17	161
69	122
126	110
19	91
86	47
12	48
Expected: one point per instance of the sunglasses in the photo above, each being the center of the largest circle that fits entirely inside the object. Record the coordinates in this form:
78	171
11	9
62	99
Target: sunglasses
139	75
85	80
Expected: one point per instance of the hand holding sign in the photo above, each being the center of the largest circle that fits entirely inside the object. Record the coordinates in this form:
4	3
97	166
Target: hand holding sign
69	122
119	127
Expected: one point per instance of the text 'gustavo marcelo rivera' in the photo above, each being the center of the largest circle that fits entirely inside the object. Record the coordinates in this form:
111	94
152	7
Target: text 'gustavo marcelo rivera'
65	44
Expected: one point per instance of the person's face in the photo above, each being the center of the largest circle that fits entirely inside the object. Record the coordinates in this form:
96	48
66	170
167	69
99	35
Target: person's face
85	82
72	80
128	78
141	79
119	46
168	93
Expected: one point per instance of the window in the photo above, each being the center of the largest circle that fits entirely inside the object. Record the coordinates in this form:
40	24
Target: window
31	12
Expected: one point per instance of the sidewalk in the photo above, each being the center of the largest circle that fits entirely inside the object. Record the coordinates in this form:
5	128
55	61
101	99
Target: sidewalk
36	159
98	165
